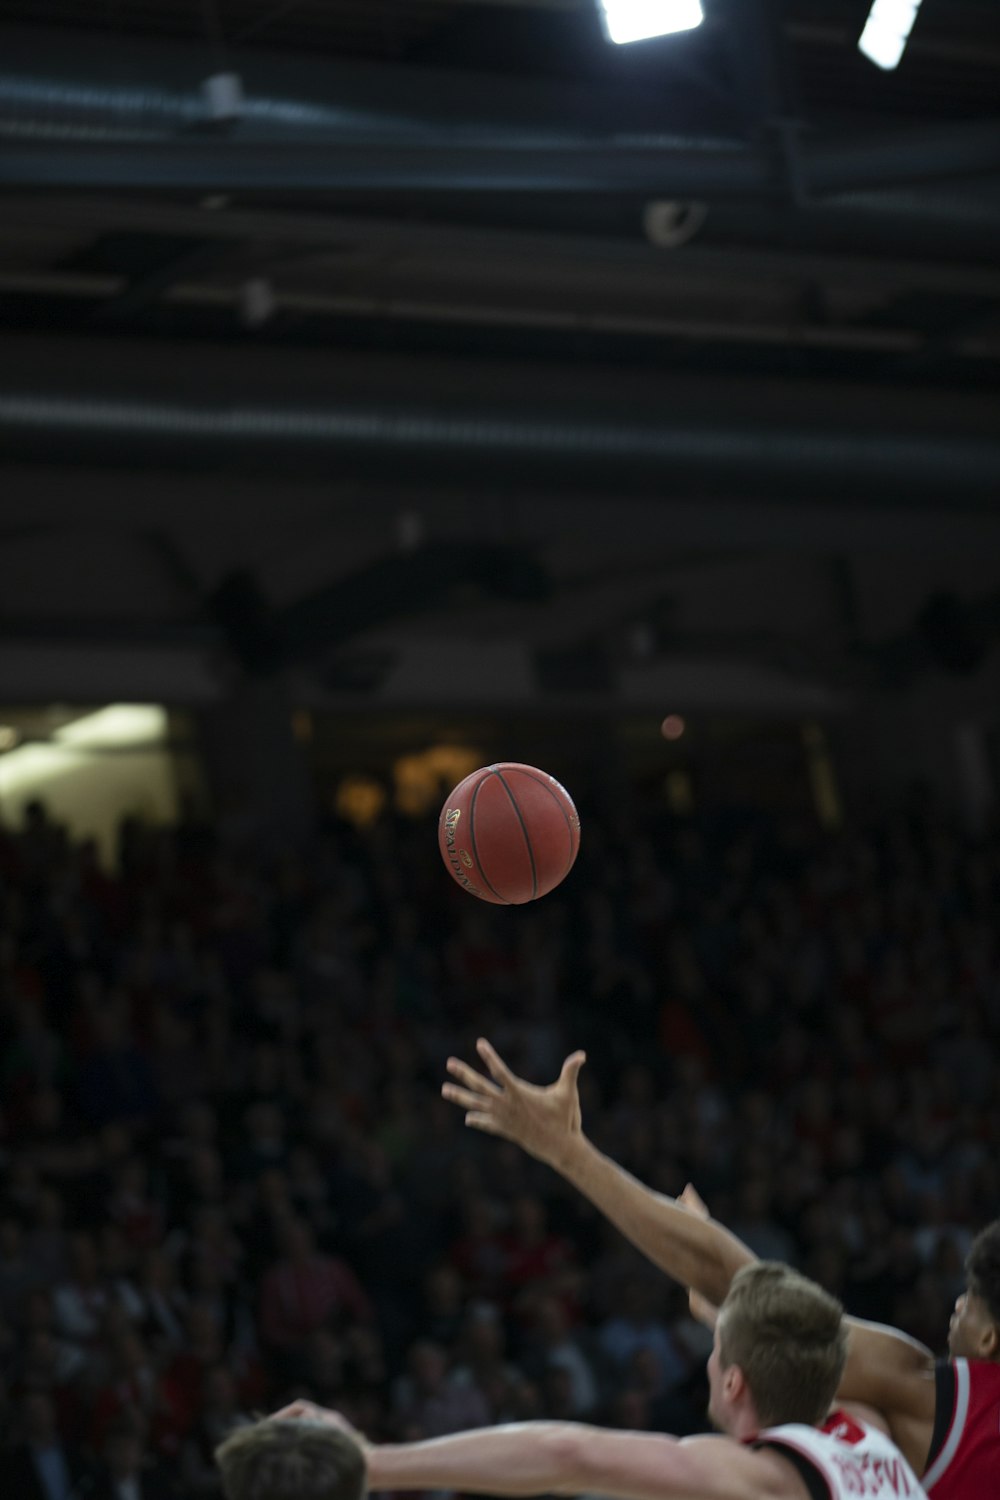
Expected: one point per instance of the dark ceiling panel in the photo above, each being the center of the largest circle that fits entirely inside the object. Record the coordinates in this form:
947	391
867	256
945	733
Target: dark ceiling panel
164	278
343	27
950	68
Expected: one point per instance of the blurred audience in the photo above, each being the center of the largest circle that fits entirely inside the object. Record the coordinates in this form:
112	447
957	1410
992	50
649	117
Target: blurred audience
227	1176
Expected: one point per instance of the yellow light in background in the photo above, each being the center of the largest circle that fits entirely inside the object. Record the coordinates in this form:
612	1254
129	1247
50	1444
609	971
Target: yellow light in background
680	793
416	784
425	777
822	777
302	725
452	763
360	800
8	737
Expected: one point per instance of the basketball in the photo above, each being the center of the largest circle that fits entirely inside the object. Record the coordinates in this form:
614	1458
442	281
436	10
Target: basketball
509	833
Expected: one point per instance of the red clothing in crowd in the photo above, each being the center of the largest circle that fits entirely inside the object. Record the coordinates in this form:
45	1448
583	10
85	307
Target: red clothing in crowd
299	1296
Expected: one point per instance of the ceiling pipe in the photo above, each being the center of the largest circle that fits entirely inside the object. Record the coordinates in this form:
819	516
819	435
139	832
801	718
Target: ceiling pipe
397	168
880	238
711	171
60	85
124	115
511	427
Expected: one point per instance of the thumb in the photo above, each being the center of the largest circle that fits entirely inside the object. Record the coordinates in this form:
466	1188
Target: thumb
693	1202
571	1068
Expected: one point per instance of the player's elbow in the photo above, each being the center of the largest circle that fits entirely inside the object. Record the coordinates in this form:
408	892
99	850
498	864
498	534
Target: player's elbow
570	1457
734	1255
715	1276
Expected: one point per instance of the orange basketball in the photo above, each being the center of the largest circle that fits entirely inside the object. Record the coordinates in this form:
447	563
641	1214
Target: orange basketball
509	833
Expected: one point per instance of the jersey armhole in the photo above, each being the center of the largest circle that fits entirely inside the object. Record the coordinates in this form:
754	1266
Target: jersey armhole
944	1408
804	1467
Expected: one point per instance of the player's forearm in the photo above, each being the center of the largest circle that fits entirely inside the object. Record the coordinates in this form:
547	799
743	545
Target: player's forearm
697	1252
517	1459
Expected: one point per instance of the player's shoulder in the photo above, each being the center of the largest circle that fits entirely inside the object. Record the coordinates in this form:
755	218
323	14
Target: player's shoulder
725	1470
779	1477
786	1468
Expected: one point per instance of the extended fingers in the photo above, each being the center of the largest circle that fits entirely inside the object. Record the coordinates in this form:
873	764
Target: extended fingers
469	1077
495	1063
463	1097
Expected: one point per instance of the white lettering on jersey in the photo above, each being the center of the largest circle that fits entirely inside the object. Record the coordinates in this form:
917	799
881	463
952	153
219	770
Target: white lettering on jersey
857	1462
870	1475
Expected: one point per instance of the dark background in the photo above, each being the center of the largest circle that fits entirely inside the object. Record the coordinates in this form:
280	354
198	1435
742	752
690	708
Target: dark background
482	390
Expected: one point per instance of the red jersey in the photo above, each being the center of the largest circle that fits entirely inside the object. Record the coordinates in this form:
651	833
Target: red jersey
964	1461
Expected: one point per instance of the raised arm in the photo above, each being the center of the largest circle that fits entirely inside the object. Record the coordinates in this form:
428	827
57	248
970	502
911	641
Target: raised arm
546	1122
569	1458
886	1370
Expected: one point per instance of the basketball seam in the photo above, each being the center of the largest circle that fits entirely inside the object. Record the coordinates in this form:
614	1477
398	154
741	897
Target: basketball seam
472	839
527	840
532	777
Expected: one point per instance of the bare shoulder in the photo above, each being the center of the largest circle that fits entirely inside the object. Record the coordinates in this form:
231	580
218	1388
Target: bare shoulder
652	1466
888	1371
729	1471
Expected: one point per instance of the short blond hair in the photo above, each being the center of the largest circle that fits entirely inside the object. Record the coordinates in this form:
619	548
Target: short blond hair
787	1335
291	1459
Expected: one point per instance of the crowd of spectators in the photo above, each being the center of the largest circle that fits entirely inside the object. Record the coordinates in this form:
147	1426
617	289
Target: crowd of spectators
228	1178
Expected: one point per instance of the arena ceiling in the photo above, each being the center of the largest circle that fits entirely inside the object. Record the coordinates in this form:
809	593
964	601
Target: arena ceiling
705	334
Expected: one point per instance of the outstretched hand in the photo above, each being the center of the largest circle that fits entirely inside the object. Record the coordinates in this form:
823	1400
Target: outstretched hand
545	1122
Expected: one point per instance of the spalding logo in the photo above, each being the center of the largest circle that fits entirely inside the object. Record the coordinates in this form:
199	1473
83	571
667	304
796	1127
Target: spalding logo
451	818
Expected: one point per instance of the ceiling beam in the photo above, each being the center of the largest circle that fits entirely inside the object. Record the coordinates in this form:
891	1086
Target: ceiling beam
620	430
710	172
499	313
144	290
404	236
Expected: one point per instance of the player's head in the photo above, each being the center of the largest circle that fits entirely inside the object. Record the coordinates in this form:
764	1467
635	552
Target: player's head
974	1331
291	1460
779	1352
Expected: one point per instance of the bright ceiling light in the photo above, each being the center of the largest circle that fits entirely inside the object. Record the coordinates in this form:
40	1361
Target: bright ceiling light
637	20
889	23
79	743
114	727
